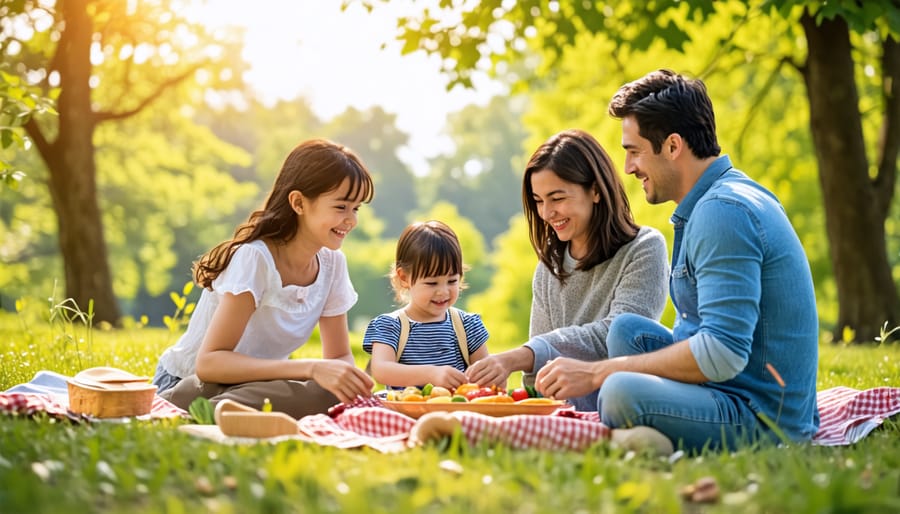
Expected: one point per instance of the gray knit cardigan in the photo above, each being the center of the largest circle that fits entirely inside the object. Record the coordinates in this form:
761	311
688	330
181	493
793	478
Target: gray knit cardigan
572	320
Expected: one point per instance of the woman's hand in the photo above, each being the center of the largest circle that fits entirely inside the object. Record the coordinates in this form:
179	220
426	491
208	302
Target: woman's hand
491	370
342	379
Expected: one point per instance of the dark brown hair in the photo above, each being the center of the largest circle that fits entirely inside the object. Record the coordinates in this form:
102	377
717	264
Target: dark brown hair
576	157
427	249
663	103
314	167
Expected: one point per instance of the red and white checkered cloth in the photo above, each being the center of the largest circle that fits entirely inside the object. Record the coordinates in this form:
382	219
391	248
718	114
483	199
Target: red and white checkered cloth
366	422
847	415
29	404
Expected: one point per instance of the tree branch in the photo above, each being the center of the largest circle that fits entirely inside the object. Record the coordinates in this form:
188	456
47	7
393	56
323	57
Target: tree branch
101	116
44	147
758	99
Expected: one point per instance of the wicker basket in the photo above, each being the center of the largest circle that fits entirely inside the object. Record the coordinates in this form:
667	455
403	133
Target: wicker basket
94	393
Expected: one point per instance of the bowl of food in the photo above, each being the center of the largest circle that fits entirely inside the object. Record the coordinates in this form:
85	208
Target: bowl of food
416	402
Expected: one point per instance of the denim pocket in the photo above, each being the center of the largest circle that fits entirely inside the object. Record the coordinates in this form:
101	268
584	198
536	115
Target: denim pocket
684	290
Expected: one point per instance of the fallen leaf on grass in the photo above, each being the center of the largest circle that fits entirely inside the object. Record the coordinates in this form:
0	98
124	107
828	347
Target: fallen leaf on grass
704	490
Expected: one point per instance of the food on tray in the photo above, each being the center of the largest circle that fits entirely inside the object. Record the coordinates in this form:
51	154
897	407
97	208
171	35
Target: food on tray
473	393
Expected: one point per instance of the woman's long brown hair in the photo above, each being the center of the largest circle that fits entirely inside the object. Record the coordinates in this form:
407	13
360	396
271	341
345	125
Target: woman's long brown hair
575	156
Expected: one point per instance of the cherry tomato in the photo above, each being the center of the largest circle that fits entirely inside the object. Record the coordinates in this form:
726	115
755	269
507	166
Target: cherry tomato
478	393
519	393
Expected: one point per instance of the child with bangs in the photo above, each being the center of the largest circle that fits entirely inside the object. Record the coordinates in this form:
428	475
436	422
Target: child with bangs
428	340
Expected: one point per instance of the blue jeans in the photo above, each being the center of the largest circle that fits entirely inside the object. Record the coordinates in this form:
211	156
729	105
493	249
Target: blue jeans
164	380
693	416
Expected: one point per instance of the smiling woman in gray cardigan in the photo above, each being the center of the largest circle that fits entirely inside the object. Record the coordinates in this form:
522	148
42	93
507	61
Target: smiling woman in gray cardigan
595	262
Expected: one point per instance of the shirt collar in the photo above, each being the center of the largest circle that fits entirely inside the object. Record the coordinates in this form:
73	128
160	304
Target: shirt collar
709	177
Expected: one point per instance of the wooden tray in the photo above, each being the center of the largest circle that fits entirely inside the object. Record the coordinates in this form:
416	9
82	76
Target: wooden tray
239	420
418	409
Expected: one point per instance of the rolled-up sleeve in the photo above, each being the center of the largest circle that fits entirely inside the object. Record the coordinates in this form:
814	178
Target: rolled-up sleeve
715	360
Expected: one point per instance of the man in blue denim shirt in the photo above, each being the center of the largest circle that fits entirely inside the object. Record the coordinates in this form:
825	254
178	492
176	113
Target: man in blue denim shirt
743	354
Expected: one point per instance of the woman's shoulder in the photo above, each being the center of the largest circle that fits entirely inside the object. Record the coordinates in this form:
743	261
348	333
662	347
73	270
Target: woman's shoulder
647	238
648	233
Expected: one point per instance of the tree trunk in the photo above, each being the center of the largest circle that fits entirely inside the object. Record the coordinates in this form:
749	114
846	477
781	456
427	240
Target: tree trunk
856	206
72	171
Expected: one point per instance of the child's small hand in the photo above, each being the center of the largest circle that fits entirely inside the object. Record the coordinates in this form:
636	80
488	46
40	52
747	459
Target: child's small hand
448	376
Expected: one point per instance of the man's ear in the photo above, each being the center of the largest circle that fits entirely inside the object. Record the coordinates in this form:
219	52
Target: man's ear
295	198
673	145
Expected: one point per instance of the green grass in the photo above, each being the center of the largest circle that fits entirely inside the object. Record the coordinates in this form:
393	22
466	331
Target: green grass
52	466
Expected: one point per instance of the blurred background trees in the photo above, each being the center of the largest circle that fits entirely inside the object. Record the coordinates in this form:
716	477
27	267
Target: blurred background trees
839	60
159	150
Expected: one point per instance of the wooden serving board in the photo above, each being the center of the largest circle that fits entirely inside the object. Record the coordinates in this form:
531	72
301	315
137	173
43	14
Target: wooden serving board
238	420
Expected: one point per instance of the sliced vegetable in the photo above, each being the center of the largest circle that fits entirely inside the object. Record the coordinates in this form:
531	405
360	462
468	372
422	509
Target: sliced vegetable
519	393
478	393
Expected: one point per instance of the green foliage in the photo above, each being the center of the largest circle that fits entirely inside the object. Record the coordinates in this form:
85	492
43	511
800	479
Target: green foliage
374	136
860	16
505	306
19	101
369	262
202	411
482	176
470	240
178	321
163	209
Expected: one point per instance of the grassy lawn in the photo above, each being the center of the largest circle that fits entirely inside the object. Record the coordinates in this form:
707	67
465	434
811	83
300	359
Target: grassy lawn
51	466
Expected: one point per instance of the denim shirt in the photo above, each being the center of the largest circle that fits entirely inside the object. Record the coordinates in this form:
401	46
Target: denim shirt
744	298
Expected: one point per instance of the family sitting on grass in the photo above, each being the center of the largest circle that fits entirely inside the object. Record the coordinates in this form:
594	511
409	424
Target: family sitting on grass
738	367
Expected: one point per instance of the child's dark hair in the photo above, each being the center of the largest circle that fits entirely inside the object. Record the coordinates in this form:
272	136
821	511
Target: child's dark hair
426	249
314	167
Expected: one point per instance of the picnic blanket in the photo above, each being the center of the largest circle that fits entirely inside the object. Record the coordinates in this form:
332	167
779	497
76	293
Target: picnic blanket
47	392
847	416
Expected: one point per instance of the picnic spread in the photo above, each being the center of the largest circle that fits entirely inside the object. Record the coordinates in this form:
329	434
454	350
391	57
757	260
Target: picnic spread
847	416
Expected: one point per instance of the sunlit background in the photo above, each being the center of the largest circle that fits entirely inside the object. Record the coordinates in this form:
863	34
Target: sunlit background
337	59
